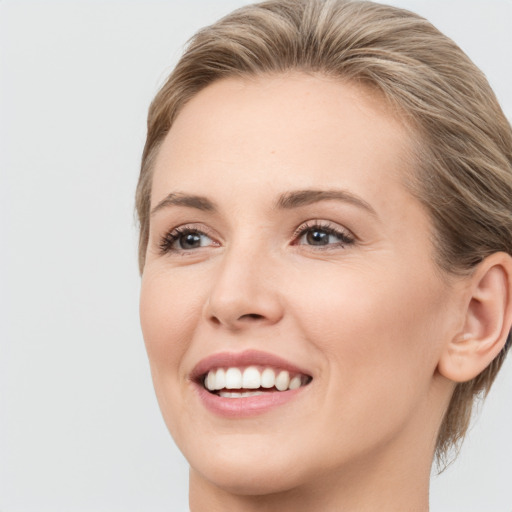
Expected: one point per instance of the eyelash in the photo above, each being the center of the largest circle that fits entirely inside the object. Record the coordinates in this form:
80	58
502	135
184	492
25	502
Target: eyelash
345	237
171	237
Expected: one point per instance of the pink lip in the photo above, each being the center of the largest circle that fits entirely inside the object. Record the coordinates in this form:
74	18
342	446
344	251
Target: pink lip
247	406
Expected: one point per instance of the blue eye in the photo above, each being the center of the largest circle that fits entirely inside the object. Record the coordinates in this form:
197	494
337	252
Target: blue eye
318	235
184	239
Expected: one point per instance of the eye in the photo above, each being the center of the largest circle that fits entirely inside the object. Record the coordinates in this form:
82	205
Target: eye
318	234
184	239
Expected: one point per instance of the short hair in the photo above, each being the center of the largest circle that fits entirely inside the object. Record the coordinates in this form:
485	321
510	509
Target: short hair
462	139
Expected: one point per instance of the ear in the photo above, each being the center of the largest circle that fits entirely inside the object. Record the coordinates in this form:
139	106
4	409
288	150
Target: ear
487	320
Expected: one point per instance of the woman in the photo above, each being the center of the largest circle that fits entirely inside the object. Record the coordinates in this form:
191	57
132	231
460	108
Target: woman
325	251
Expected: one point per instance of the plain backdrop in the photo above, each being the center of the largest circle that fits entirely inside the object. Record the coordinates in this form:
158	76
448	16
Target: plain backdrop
80	429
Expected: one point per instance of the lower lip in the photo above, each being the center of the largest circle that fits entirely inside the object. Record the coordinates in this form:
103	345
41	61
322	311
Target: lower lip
248	405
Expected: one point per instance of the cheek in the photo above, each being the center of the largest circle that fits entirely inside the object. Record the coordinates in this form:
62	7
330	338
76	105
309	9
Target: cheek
376	332
169	310
168	316
378	337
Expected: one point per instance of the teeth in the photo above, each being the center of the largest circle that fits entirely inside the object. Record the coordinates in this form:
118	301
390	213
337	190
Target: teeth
283	381
268	378
295	383
210	381
220	378
233	378
250	378
227	394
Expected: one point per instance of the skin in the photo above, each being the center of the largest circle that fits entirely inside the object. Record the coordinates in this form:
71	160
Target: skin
369	320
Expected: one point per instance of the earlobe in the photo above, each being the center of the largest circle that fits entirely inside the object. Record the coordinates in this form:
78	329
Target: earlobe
487	320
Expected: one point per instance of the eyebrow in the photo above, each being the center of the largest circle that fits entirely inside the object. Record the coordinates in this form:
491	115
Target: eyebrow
287	201
300	198
190	201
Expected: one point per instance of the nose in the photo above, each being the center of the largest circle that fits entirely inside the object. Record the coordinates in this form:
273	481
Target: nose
244	292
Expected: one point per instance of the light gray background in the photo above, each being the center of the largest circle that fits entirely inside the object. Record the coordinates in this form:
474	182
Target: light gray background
80	428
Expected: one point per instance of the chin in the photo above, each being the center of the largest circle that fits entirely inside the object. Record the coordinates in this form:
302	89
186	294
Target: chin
246	479
249	467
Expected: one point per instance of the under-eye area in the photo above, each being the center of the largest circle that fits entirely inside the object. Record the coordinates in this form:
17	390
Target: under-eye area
235	382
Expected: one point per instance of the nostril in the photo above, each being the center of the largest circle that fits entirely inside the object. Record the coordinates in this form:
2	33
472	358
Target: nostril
254	316
240	322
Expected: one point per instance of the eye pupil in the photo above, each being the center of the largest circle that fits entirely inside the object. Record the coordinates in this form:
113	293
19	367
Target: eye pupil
190	240
317	237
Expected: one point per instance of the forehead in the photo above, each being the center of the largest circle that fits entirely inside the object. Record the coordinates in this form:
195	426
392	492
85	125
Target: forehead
291	130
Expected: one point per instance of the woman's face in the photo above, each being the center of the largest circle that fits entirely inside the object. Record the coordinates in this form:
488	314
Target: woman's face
283	238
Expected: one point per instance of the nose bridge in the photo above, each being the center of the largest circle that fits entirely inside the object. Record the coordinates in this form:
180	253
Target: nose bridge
244	289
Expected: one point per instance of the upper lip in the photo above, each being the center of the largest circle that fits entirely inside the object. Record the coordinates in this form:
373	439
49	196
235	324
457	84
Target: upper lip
242	359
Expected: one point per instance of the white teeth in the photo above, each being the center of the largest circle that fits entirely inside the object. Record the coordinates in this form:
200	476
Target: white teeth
251	378
210	381
220	379
283	380
268	378
227	394
233	378
295	383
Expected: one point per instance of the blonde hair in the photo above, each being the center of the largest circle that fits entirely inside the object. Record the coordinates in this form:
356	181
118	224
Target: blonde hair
464	154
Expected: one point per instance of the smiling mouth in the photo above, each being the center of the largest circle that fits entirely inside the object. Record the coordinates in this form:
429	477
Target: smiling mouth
235	382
